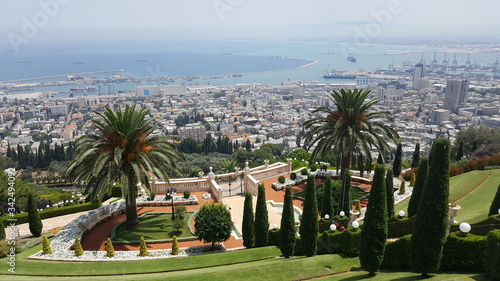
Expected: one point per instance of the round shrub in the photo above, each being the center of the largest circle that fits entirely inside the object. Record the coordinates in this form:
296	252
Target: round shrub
187	193
304	172
314	167
293	176
281	179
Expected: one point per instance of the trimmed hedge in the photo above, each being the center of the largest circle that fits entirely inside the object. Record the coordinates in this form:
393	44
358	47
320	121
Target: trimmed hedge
463	252
399	227
50	213
491	246
273	237
324	224
297	249
346	242
397	254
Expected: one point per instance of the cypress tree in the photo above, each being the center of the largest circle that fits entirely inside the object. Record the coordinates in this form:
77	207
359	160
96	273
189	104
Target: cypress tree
396	165
345	204
380	160
78	247
413	178
431	222
248	222
374	234
175	246
247	146
110	250
261	218
35	222
143	250
309	224
46	246
416	156
327	204
389	187
2	231
287	228
418	188
495	205
460	151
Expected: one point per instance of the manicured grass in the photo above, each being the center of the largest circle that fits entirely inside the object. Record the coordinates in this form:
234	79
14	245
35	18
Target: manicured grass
294	268
153	226
26	266
475	206
397	275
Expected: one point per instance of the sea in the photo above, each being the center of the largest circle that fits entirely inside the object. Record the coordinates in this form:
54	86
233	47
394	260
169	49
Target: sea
216	62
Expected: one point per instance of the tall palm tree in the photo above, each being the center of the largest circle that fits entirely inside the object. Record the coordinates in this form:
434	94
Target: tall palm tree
122	151
349	128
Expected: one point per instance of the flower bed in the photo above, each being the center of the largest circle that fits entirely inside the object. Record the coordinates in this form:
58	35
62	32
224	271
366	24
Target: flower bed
161	201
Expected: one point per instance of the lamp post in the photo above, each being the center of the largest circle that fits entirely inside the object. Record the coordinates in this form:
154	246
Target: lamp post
170	192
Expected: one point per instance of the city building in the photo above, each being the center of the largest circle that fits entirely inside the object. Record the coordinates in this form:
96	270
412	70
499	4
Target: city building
418	74
195	131
455	94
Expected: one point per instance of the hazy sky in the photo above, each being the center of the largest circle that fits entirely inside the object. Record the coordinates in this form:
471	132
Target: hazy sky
189	19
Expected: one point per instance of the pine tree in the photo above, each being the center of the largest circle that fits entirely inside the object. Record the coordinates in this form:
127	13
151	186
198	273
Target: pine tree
374	234
287	228
143	248
389	186
175	246
309	223
416	156
396	165
78	247
46	250
431	222
402	188
261	218
327	204
418	188
248	226
35	222
495	205
110	250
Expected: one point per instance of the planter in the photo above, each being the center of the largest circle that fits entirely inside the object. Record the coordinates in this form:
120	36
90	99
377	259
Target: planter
354	214
452	213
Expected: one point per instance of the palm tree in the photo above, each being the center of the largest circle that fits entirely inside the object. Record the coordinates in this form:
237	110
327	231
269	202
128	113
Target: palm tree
349	128
121	151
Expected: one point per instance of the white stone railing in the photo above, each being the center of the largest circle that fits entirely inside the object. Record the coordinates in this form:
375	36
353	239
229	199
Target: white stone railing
273	171
181	185
216	190
251	185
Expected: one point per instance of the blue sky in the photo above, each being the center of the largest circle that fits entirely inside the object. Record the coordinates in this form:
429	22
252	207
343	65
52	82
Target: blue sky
75	20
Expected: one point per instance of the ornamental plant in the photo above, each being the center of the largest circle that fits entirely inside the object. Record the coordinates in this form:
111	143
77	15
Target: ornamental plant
418	188
287	229
46	245
402	189
143	251
327	203
293	176
389	187
175	246
187	193
248	226
110	250
78	247
281	179
304	172
35	222
412	179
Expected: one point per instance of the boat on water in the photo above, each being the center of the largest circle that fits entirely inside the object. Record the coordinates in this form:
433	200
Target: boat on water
338	74
352	59
87	89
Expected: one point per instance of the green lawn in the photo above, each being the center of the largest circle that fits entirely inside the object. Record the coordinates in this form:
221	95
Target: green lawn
475	206
402	276
26	266
153	226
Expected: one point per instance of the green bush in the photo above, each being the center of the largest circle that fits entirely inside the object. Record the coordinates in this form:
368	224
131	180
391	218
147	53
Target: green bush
151	196
175	246
293	176
110	250
53	212
304	172
399	227
313	167
116	191
334	242
463	252
281	179
352	240
35	222
78	247
297	250
489	262
46	246
397	254
273	237
143	250
187	193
